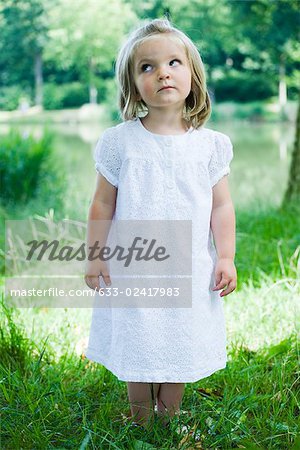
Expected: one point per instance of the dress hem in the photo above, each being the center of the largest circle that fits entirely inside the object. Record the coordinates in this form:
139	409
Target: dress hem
138	378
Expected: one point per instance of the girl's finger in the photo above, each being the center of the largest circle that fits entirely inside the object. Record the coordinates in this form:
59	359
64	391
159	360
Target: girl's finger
218	281
106	278
218	278
93	282
230	288
221	284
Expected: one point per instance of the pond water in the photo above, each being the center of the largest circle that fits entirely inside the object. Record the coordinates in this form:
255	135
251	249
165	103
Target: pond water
259	171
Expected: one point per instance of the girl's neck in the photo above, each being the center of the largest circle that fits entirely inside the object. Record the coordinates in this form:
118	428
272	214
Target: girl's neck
165	124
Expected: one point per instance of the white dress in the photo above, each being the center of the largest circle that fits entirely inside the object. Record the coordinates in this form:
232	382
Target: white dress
167	177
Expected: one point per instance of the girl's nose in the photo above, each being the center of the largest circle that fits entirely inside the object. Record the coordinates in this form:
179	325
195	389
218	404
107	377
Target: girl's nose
163	73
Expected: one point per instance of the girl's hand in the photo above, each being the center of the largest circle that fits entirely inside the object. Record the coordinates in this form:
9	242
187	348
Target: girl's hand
92	276
225	275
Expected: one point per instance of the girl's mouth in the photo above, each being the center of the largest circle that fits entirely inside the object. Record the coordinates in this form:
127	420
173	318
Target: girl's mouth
165	87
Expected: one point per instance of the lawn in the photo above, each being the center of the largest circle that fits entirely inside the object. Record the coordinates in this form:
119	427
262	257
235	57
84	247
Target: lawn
53	397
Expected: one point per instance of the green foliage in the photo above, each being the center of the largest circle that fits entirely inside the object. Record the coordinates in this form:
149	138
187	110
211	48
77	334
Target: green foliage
53	96
111	100
107	89
69	95
20	166
265	111
78	42
23	35
27	169
31	179
11	96
244	87
85	36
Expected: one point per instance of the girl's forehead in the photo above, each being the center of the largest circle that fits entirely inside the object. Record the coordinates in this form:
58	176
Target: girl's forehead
158	45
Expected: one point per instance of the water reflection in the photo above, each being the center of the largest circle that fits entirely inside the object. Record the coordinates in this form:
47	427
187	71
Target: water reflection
87	133
259	171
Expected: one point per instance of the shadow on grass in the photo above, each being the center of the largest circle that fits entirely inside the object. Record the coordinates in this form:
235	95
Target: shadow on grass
75	403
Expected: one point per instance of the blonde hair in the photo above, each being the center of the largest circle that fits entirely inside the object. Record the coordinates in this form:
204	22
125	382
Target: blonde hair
197	105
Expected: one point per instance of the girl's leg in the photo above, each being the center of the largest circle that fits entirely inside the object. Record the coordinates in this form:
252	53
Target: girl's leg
142	397
169	399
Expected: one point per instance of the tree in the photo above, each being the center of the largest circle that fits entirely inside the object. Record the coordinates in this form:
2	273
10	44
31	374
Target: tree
271	30
86	34
208	23
23	34
292	193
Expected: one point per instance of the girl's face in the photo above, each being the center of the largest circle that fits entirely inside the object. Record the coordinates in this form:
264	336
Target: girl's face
161	62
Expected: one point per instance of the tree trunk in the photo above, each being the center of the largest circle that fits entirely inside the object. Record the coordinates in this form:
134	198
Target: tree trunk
282	87
293	190
38	77
93	94
92	88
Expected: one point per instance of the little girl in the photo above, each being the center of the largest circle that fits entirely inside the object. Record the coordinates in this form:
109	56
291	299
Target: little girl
161	163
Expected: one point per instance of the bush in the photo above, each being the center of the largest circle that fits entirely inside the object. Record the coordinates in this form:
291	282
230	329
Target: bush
111	99
52	97
26	168
10	97
69	95
239	86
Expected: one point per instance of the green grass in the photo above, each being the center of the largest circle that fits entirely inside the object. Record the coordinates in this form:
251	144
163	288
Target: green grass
62	400
268	244
51	396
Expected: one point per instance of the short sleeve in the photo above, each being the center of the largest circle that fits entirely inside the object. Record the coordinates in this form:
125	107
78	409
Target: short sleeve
222	155
107	156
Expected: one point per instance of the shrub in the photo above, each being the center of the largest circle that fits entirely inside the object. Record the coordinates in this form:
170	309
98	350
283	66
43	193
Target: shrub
26	168
70	95
52	97
10	97
240	86
111	100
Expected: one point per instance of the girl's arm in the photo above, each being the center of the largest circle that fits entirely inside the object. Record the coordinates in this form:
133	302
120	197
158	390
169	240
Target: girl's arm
100	214
223	228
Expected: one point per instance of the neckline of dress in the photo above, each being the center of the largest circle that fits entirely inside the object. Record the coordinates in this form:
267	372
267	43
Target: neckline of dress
138	120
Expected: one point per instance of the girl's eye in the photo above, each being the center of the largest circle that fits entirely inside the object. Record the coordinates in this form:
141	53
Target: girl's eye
147	67
144	67
177	60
